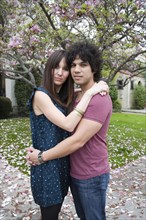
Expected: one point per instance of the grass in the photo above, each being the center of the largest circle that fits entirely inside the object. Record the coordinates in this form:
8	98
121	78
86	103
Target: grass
126	139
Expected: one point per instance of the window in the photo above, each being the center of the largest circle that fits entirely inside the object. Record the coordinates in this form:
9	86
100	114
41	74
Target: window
139	83
2	85
132	85
120	84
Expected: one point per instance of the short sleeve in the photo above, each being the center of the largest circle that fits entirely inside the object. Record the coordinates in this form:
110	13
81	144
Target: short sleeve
99	108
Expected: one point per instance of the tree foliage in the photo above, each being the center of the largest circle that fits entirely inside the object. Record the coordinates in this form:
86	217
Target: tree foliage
32	29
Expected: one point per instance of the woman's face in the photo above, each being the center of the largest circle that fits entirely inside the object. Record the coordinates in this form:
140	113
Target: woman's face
61	73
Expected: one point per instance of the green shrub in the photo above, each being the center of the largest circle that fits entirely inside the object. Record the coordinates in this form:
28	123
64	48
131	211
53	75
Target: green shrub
117	106
5	107
114	96
22	93
139	97
113	93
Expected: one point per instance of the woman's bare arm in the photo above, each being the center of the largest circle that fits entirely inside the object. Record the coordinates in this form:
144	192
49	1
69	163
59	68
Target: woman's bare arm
43	105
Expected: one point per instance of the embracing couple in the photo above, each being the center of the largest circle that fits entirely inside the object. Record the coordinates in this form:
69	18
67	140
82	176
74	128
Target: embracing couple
69	128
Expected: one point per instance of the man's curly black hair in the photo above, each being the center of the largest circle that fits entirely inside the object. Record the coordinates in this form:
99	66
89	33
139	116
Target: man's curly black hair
89	53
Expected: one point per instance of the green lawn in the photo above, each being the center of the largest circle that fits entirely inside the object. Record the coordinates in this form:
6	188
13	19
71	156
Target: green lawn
126	139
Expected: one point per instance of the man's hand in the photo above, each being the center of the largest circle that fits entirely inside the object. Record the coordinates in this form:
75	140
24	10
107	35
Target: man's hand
32	156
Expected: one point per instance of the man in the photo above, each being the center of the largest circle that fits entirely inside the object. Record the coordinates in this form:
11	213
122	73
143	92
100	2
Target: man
87	145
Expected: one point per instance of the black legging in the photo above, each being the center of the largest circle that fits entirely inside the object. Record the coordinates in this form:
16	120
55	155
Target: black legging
50	212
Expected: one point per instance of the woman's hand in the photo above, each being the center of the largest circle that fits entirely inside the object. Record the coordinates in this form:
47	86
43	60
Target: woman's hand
32	156
100	87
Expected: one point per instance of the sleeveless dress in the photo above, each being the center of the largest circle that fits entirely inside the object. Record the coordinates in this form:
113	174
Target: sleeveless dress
50	180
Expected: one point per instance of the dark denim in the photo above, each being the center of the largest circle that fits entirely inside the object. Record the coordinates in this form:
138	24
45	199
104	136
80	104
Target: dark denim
90	197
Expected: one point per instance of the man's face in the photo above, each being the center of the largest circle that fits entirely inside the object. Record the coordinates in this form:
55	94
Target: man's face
81	72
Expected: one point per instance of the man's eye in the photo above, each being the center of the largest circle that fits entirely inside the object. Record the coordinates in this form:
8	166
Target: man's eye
84	64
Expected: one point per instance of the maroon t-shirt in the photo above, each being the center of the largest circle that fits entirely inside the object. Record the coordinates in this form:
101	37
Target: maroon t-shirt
92	159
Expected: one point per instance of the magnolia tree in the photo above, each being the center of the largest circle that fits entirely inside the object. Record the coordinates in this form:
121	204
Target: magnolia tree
32	29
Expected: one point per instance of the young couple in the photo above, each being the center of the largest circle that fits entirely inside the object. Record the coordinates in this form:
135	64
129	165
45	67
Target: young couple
55	111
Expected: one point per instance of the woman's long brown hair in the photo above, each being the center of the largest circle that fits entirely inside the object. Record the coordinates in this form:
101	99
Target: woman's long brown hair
66	93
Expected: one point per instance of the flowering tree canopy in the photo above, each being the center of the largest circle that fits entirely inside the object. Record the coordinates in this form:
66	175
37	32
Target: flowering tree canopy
30	30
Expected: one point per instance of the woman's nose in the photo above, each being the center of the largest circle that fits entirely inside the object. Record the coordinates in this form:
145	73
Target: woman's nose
59	72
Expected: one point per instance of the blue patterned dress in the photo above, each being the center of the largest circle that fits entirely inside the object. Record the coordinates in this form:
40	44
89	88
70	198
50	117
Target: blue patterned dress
50	180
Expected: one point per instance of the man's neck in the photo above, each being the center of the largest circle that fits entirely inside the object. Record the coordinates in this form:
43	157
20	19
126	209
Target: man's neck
84	88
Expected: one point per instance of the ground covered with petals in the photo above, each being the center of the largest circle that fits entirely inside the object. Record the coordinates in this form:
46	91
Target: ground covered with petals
126	194
125	198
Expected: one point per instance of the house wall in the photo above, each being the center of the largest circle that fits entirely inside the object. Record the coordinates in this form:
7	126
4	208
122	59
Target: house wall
9	92
125	95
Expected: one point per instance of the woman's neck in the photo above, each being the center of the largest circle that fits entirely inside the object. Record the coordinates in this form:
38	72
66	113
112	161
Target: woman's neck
57	88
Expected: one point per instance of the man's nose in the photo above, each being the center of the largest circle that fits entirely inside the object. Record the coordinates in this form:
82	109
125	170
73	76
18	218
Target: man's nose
77	68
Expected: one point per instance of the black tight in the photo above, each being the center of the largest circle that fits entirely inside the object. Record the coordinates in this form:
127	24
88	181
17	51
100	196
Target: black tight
50	212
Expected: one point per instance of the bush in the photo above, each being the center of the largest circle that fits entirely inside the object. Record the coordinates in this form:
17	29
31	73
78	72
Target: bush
116	106
113	93
5	107
139	97
22	93
114	96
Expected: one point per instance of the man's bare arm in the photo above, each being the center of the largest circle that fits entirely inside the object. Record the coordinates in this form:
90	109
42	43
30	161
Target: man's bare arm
84	132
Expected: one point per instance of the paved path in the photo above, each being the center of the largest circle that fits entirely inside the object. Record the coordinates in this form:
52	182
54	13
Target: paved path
125	200
138	111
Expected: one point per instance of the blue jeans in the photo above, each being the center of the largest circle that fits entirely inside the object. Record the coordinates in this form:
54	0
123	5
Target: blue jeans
90	197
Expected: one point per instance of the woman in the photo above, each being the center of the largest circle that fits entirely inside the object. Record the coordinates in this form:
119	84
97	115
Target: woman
49	106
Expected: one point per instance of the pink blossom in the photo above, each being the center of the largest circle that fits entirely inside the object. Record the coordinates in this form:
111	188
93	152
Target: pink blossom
122	1
96	2
12	16
72	4
15	41
12	63
57	10
35	28
15	3
88	3
49	52
33	40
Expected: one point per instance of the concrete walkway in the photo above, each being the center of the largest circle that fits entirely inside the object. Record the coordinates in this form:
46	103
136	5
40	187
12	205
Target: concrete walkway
125	200
141	111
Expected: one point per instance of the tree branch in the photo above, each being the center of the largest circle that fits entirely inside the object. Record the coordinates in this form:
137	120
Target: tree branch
58	37
120	68
13	77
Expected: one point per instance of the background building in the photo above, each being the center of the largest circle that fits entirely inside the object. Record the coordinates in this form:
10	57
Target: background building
125	94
